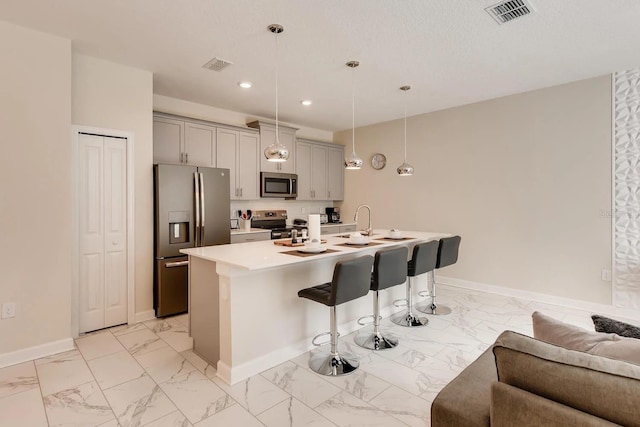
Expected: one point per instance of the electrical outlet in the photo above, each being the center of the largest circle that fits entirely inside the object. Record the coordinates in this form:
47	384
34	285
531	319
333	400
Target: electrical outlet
8	310
605	213
606	275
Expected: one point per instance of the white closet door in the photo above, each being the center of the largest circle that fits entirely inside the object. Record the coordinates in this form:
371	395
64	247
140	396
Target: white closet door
102	232
115	227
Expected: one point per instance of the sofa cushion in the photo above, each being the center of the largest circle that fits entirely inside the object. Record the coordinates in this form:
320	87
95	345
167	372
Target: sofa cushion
511	406
553	331
605	388
465	401
605	324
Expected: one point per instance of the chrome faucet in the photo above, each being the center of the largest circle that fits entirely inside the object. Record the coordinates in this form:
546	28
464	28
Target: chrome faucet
369	230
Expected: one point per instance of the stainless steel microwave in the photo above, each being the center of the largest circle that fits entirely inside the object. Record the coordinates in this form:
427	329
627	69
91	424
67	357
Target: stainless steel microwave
278	185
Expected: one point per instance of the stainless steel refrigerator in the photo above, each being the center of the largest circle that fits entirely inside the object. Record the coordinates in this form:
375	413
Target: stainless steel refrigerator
192	209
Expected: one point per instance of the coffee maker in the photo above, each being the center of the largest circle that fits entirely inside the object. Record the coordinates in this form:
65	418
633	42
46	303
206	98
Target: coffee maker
333	215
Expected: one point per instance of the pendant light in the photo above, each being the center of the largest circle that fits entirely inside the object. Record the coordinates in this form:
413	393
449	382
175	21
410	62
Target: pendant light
353	162
276	152
405	169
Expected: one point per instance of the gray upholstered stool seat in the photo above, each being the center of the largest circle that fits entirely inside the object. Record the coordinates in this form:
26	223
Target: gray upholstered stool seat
423	259
351	280
447	255
389	269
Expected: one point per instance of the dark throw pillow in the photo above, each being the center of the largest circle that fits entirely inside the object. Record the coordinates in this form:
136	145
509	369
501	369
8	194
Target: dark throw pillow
604	324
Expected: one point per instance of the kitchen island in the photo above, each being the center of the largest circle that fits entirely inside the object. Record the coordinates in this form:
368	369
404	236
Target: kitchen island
245	314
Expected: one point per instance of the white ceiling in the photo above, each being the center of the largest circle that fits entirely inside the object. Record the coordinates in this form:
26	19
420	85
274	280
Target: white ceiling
450	51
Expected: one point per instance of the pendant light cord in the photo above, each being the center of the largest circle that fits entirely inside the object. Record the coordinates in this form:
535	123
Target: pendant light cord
353	111
405	126
277	137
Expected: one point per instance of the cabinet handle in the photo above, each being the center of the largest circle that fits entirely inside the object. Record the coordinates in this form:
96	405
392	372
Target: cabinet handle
240	192
186	157
329	193
181	157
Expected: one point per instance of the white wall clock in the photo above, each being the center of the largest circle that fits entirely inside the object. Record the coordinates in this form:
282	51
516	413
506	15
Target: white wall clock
378	161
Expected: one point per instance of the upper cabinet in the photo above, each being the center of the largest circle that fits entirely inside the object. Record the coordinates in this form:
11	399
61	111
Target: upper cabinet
199	143
238	152
320	170
287	136
180	142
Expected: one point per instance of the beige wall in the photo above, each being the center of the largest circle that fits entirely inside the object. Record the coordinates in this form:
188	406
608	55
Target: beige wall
522	179
113	96
35	186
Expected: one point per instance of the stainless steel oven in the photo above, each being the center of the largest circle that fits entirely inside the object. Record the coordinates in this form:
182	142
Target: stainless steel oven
278	185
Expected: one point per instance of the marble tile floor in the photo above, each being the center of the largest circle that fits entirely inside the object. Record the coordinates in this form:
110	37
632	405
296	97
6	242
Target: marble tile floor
147	375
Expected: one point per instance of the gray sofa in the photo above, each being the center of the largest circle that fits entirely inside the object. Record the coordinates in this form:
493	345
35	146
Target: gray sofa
522	381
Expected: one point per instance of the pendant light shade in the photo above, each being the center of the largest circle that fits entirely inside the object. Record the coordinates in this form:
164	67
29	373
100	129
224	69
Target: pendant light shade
352	161
276	152
405	169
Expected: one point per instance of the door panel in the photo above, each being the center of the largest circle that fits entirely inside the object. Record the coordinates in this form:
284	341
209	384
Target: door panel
226	158
115	209
174	203
168	136
216	206
91	232
248	166
172	289
200	145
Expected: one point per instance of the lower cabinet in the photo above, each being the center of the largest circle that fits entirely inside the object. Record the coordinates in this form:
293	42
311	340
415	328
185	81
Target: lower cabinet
250	237
347	228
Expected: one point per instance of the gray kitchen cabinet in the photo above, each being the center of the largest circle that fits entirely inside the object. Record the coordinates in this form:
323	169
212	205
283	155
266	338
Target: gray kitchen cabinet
267	137
168	140
335	173
320	170
250	237
347	228
180	142
238	152
311	167
329	229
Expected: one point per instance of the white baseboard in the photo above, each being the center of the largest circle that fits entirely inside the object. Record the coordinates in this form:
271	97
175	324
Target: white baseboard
36	352
143	316
593	307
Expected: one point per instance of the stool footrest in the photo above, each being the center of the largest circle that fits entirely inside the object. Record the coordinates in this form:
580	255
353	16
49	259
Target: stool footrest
313	341
424	294
362	322
402	302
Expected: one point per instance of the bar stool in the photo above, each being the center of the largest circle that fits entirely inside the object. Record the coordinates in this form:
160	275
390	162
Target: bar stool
447	255
389	269
351	280
423	259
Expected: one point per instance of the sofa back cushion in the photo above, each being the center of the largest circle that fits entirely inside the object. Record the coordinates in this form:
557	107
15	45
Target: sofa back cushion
606	388
611	345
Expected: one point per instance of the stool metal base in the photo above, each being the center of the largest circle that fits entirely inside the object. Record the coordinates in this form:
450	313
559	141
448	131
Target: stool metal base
408	319
438	310
376	341
333	364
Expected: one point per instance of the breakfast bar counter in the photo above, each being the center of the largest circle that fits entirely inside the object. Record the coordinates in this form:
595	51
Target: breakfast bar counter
245	314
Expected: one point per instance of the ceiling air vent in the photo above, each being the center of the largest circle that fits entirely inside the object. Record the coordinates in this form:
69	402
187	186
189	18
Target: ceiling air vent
506	11
217	64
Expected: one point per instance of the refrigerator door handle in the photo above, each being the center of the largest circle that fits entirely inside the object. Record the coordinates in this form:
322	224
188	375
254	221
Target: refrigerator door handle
197	201
176	264
202	221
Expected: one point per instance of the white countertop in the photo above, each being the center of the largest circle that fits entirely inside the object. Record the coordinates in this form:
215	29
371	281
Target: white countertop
265	254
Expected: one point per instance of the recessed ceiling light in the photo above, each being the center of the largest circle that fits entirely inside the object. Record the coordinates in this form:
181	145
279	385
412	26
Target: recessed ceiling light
245	85
306	102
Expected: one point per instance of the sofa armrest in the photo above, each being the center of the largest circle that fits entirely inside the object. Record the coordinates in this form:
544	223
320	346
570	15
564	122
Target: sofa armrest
511	406
465	401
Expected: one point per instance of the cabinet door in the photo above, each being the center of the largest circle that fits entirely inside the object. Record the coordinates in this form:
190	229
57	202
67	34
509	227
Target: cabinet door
303	169
226	157
335	173
168	140
319	172
268	137
248	166
200	145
